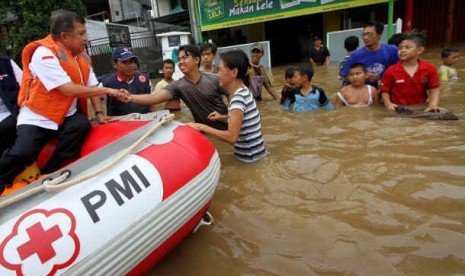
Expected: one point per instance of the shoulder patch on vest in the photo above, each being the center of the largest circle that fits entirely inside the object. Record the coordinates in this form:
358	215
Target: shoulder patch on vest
62	55
85	56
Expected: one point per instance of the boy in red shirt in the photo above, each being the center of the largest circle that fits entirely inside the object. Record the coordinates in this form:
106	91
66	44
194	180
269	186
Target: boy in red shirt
412	80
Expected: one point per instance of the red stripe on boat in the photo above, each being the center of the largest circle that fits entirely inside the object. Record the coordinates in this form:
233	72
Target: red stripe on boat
177	164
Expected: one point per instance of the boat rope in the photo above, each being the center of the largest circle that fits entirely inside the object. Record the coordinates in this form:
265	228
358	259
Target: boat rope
52	185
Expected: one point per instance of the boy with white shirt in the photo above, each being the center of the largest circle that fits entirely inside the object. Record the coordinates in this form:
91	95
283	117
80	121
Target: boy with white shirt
56	71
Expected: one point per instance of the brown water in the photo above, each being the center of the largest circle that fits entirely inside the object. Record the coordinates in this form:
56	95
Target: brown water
355	191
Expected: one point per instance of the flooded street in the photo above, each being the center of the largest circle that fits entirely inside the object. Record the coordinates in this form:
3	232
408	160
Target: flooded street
354	191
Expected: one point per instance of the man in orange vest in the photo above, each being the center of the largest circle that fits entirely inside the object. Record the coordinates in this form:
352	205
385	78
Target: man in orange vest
56	72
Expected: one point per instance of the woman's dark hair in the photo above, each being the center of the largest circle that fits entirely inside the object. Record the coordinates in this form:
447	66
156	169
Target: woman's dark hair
62	21
236	59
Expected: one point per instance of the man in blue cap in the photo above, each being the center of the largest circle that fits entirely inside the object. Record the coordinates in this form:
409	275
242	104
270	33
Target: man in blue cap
126	77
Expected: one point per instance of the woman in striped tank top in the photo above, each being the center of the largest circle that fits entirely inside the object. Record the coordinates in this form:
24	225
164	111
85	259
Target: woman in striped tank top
244	128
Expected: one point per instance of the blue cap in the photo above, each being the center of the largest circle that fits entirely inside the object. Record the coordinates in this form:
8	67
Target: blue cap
123	53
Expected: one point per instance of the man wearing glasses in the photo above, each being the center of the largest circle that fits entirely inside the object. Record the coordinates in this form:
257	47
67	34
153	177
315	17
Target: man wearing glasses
128	78
375	56
56	72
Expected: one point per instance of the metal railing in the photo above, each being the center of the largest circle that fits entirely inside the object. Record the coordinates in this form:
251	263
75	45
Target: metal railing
145	45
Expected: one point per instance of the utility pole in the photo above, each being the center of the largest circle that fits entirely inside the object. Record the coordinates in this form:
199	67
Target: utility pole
194	19
390	18
450	22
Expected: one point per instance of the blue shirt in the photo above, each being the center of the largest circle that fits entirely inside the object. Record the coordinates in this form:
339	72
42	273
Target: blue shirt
314	100
376	62
341	68
140	84
9	86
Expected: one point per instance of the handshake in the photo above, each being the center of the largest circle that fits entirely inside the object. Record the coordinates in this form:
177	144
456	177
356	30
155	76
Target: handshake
120	94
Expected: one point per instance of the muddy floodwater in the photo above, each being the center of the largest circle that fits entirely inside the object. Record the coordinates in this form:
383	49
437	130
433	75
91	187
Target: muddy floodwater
354	191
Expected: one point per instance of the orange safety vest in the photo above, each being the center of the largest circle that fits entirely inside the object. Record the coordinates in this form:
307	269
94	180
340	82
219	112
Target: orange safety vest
52	104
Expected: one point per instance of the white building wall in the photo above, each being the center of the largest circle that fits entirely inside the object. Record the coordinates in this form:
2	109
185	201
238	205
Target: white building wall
126	9
164	7
98	30
116	10
132	9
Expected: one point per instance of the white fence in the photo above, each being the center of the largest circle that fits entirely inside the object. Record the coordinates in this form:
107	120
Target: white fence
265	61
335	40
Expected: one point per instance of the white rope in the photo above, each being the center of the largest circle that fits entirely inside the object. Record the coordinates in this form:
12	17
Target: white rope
53	185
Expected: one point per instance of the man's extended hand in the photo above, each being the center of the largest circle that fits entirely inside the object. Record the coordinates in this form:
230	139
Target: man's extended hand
121	95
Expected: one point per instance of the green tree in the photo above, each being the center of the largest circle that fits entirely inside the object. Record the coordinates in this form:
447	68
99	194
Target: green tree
33	19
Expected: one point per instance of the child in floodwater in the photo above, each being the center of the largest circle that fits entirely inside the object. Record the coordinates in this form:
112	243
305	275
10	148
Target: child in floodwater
357	93
350	44
290	83
412	80
167	70
446	71
306	97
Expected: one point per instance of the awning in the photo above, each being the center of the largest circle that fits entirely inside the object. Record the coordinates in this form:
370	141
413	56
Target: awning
175	18
218	14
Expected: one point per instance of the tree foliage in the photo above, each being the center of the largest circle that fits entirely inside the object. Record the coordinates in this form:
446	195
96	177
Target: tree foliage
33	19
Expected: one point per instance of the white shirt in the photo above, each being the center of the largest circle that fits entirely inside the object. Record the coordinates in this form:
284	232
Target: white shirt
4	112
52	75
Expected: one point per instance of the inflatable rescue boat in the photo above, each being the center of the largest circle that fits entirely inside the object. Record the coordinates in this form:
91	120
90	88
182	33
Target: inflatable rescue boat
139	188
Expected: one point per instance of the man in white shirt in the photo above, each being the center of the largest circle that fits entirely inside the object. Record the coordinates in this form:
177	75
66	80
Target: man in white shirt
56	72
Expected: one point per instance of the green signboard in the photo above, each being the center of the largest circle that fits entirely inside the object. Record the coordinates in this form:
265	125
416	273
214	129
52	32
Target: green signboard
217	14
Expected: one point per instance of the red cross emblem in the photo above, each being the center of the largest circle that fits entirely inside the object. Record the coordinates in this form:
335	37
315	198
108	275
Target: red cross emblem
41	240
